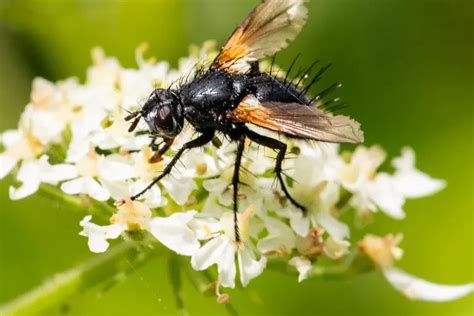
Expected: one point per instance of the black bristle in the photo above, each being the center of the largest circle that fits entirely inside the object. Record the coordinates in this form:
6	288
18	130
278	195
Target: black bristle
290	68
306	73
325	92
316	78
273	63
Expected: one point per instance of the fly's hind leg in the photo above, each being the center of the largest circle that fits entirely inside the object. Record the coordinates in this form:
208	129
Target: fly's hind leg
281	149
236	181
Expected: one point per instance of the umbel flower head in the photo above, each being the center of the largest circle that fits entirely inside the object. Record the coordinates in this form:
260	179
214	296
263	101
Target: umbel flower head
73	136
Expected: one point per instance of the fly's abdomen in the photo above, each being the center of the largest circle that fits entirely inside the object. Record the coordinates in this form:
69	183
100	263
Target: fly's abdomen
269	88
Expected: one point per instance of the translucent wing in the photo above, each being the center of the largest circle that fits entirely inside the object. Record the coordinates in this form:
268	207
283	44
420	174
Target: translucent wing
267	29
298	120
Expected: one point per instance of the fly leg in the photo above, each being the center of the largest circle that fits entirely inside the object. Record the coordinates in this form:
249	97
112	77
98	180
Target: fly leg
281	149
202	140
159	152
235	183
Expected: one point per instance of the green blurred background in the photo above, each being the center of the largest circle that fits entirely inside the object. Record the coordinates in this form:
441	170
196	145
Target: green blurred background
408	71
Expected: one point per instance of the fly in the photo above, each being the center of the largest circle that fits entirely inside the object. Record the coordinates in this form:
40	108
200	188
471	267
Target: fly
233	94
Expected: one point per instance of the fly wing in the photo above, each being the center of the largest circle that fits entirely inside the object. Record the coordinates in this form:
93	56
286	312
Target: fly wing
298	120
266	30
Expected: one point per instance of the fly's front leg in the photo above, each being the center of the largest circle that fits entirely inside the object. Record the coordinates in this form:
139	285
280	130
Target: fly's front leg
202	140
281	148
159	152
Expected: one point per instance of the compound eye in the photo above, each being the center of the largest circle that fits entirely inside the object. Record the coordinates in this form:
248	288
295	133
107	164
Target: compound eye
164	120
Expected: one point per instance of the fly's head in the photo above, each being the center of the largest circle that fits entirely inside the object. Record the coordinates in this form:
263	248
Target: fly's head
162	112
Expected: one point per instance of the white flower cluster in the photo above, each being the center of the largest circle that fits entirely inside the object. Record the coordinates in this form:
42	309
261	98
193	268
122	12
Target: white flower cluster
73	135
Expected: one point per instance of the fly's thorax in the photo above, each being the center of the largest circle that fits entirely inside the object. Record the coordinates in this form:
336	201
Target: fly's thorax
206	99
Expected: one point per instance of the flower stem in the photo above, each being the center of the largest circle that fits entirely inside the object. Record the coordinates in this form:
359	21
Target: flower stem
54	193
107	269
175	269
353	264
100	209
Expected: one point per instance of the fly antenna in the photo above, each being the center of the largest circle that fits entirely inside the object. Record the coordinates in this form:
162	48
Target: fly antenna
135	116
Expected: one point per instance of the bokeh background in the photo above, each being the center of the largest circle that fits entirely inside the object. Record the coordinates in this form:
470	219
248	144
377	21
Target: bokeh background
408	71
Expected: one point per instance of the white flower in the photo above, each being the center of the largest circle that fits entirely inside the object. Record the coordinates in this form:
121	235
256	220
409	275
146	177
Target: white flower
19	145
303	265
34	172
383	191
311	245
383	251
316	189
362	168
136	84
91	166
385	195
409	181
280	239
223	248
418	289
98	235
173	231
178	185
336	249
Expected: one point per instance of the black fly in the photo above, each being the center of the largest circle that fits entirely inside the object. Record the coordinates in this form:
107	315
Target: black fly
232	95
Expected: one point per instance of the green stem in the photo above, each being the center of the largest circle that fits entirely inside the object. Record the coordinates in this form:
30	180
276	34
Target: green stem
353	264
107	269
101	209
175	269
57	195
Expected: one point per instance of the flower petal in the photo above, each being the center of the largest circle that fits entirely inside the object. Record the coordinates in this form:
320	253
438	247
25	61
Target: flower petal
180	189
98	235
226	265
112	169
249	267
416	184
86	185
96	191
26	189
174	233
209	254
74	186
217	185
411	182
53	174
299	223
419	289
384	193
7	163
303	265
335	248
335	228
29	176
280	237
